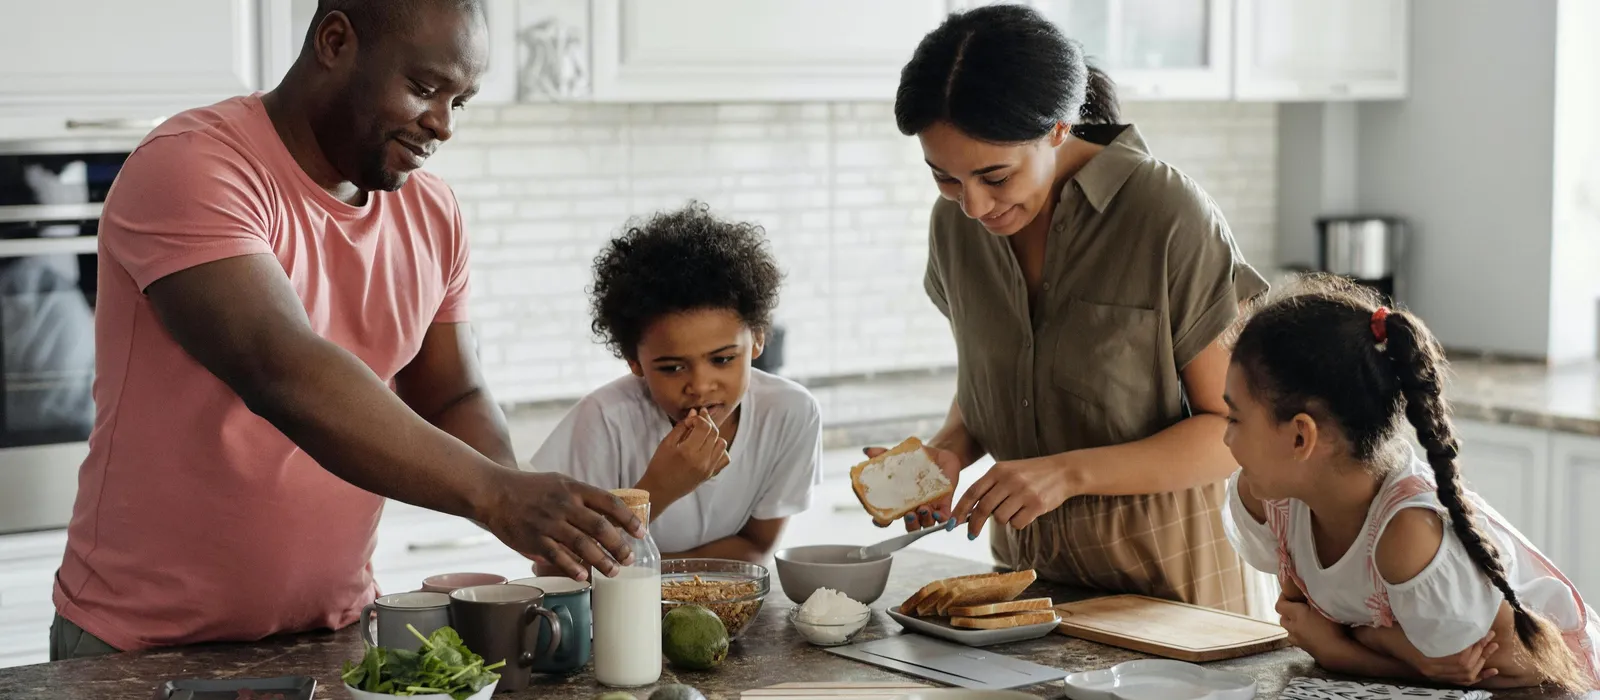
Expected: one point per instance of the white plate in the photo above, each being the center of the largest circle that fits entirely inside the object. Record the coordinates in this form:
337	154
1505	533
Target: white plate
1160	679
973	638
364	695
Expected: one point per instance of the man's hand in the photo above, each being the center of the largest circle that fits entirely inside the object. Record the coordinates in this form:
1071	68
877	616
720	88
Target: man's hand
938	511
562	524
689	456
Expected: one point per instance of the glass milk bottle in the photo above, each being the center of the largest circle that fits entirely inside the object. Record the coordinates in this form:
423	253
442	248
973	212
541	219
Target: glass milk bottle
627	609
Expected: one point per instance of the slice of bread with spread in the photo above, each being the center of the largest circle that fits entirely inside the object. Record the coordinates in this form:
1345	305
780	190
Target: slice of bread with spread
898	482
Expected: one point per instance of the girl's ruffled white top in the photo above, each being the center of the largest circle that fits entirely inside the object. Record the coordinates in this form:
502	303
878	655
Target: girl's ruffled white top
1444	609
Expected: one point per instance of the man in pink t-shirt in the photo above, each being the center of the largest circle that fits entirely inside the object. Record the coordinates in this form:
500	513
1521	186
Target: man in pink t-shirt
282	343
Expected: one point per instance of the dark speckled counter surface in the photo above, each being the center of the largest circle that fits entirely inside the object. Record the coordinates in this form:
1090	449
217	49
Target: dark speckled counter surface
769	653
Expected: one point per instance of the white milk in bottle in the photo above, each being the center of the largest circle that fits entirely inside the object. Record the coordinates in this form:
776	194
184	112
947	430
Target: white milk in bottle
627	610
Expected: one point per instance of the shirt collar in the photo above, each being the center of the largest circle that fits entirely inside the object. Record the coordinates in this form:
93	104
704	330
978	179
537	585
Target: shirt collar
1102	177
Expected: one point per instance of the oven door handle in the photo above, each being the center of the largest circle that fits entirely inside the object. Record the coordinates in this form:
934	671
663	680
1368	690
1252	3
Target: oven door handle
114	124
30	247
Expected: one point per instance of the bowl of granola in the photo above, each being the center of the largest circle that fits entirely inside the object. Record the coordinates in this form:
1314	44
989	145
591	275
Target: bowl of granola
734	590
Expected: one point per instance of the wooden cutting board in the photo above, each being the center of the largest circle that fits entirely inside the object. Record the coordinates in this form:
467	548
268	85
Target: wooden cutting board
1167	628
835	691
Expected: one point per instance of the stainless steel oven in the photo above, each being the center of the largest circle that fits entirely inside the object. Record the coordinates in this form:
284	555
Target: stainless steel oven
51	194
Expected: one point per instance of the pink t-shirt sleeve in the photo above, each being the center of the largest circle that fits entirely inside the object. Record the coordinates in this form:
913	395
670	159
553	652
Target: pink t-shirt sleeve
181	201
458	282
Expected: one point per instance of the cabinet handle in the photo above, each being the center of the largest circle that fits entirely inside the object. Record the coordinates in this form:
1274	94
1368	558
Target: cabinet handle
115	124
456	543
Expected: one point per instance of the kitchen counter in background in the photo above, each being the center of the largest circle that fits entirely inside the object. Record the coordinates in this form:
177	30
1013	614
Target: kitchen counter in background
887	409
770	652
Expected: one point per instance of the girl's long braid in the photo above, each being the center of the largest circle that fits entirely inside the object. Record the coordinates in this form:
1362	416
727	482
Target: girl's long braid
1417	361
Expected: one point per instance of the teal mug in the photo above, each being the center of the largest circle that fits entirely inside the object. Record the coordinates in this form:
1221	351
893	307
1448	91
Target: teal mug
569	600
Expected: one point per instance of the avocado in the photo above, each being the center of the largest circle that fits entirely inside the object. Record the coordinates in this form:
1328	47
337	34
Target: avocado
694	638
676	692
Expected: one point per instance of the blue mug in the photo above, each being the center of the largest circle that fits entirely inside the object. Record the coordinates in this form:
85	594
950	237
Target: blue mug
569	600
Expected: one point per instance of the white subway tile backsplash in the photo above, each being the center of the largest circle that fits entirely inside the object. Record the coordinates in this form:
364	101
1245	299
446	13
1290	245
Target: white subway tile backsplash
843	197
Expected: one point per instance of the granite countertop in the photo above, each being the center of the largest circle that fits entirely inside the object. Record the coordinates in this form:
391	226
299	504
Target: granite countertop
769	653
1564	398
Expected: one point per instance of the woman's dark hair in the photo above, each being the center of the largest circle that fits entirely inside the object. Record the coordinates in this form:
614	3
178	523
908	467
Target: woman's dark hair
1315	352
1002	74
681	260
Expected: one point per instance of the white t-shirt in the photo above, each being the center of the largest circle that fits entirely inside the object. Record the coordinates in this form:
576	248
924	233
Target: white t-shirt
1444	609
774	463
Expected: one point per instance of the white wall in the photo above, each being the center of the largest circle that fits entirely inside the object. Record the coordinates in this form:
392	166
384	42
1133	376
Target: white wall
843	196
1575	238
1466	157
1317	151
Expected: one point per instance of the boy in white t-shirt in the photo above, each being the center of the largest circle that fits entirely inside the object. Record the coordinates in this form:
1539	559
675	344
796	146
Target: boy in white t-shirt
727	452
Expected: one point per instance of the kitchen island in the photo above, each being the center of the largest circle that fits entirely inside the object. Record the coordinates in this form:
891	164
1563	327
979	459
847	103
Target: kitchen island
770	652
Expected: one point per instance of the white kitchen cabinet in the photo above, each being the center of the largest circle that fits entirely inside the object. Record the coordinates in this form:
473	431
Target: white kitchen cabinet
103	64
1509	466
285	23
755	50
28	564
1153	49
1321	50
1575	519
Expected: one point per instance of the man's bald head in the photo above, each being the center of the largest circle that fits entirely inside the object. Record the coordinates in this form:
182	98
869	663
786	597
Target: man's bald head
376	20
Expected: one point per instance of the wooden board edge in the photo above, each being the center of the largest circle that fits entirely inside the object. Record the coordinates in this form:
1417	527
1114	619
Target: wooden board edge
1157	649
1163	601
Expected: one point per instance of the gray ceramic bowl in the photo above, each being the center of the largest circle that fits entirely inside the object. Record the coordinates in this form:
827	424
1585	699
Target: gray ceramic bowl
802	570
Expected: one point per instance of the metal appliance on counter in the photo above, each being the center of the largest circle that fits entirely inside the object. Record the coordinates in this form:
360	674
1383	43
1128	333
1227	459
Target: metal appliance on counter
1371	250
51	196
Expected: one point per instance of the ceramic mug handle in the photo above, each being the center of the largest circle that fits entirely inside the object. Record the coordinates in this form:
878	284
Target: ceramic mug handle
366	624
530	634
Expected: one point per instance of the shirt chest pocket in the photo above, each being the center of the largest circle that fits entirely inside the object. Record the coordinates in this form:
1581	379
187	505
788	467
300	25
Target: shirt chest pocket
1106	355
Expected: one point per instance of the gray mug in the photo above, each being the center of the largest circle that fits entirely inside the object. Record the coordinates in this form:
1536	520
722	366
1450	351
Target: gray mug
569	600
423	610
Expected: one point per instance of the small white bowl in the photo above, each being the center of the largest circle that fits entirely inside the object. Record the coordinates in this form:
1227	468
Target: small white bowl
829	635
365	695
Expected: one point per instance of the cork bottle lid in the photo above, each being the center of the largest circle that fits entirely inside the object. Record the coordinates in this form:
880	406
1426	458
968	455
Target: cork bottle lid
632	498
636	500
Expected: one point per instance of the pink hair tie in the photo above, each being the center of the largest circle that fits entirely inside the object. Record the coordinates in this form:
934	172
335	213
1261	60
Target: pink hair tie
1380	330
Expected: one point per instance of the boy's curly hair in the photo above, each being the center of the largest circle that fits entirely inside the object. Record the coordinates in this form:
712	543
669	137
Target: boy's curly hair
676	261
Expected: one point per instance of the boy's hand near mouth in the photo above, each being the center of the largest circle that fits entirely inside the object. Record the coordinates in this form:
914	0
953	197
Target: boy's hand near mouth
690	455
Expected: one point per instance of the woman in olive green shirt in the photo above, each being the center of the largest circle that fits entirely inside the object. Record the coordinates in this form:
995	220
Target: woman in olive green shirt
1087	284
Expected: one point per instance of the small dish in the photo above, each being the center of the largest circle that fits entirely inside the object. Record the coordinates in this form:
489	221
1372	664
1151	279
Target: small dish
365	695
940	628
1159	679
829	635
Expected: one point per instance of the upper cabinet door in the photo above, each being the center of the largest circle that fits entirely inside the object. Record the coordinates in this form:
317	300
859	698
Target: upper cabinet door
1153	49
285	23
748	50
89	57
1322	50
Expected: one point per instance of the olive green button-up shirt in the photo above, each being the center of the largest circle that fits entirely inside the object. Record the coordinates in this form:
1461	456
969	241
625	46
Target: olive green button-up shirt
1141	273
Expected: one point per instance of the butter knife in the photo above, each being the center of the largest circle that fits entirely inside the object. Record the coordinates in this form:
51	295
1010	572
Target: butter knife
895	544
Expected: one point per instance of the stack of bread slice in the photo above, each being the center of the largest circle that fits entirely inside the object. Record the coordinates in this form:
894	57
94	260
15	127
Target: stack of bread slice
981	601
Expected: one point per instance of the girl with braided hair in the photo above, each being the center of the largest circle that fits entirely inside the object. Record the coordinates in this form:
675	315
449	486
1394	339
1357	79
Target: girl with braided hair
1390	566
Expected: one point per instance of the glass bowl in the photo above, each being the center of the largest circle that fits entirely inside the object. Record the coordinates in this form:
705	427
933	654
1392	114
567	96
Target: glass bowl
829	634
734	590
